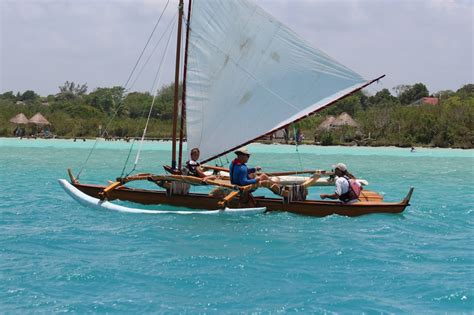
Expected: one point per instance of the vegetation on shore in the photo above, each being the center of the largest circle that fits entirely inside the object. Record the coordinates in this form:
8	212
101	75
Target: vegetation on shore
384	119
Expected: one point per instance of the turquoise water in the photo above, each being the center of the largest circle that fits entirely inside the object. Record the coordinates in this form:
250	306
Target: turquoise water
57	256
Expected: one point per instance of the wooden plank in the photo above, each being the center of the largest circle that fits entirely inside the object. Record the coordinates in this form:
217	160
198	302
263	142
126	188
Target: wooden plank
104	193
370	196
228	198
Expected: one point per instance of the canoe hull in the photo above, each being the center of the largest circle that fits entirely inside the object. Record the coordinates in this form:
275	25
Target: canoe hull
203	201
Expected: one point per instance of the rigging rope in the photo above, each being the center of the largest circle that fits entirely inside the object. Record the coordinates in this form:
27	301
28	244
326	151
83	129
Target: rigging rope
172	22
128	157
137	132
147	42
155	82
121	101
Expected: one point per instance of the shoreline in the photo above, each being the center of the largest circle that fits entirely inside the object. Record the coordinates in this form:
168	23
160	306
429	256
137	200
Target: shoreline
261	142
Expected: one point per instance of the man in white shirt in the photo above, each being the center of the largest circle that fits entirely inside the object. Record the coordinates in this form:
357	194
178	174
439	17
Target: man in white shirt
343	190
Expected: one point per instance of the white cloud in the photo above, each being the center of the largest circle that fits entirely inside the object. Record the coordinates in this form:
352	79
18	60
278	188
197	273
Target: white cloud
44	43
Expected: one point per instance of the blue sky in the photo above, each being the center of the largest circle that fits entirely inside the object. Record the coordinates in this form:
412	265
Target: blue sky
44	43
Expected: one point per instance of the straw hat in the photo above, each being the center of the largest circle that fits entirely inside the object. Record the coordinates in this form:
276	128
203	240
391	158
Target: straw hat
340	166
242	150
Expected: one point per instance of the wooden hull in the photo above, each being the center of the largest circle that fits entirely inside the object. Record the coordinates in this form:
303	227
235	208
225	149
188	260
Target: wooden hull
318	208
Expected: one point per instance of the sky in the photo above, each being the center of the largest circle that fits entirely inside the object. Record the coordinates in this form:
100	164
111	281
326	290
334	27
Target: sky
44	43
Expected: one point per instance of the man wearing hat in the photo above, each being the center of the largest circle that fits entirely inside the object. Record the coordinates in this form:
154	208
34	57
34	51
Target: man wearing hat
343	192
240	174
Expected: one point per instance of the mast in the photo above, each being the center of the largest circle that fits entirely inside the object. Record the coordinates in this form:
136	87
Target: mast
176	85
183	97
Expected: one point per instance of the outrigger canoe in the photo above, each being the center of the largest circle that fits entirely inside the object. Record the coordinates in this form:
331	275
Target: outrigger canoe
247	76
370	202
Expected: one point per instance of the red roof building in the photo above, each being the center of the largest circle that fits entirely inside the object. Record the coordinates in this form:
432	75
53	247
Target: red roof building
426	100
430	100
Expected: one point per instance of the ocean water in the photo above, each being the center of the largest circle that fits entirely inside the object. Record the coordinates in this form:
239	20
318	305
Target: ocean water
58	256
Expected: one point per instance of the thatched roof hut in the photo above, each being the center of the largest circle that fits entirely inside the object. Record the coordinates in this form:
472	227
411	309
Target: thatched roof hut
39	119
327	123
280	134
19	119
344	119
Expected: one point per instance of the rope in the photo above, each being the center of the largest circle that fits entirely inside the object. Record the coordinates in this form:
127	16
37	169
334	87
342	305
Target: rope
128	157
155	81
172	22
121	103
147	42
137	132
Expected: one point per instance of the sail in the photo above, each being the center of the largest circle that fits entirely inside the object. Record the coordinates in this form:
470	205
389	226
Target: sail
248	74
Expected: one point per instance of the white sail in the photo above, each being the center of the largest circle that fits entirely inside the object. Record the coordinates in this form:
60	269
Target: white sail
248	74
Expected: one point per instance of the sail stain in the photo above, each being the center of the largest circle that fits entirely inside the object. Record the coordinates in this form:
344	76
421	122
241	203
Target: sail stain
275	56
219	71
245	43
247	96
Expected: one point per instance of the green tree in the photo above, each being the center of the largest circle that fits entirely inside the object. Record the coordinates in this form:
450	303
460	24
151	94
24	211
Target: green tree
350	105
399	89
70	90
109	100
466	91
382	97
327	139
444	94
137	104
165	101
413	93
29	95
8	96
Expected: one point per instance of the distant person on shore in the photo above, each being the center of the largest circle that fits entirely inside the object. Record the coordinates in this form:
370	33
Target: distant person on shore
347	188
19	132
240	174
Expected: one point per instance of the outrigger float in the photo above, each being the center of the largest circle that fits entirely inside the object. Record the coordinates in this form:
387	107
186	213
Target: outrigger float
245	76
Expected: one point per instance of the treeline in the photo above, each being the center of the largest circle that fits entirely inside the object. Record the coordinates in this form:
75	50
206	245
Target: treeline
75	113
401	120
384	118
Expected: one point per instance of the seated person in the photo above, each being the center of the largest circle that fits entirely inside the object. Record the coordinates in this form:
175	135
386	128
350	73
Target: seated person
347	189
240	174
193	168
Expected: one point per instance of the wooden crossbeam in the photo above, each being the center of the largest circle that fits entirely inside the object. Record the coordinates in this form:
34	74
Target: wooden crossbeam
104	193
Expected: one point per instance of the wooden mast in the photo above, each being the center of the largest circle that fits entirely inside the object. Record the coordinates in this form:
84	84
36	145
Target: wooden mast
176	85
183	97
